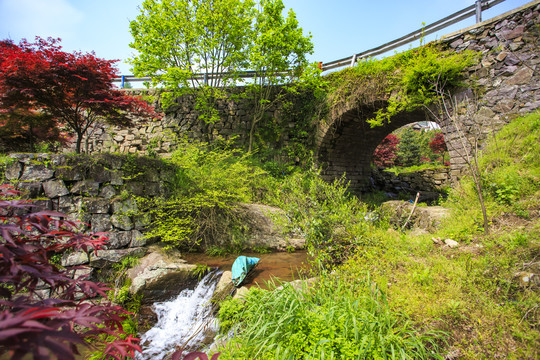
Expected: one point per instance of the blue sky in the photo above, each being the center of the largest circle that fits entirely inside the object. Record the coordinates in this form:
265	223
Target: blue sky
340	28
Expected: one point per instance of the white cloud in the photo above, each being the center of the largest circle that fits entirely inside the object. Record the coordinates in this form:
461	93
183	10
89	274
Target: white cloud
30	18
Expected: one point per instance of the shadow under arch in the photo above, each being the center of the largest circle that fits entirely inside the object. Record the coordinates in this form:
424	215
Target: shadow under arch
346	146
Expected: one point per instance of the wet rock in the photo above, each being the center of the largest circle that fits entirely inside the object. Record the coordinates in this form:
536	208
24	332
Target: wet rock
224	287
159	277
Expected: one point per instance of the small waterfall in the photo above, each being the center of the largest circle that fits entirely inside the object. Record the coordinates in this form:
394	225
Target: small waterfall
182	321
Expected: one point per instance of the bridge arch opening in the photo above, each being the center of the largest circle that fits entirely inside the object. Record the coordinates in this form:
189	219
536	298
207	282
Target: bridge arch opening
415	144
347	145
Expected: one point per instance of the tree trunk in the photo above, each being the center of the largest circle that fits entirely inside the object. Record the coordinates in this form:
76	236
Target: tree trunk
78	143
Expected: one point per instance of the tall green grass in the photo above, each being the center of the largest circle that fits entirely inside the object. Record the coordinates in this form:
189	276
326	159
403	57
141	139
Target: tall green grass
334	319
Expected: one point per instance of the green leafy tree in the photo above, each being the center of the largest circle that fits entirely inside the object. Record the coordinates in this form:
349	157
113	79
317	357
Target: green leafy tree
177	39
277	54
410	148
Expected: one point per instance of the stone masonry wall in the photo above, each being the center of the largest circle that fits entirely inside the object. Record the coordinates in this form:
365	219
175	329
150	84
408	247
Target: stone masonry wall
96	190
429	182
507	76
503	84
159	137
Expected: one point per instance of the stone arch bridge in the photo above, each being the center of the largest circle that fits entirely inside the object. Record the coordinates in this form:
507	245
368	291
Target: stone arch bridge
507	73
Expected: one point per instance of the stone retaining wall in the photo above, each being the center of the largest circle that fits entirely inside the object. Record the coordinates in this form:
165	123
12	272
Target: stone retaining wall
429	182
159	137
96	190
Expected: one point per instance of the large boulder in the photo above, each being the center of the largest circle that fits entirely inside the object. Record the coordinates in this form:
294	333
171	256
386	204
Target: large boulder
159	277
424	217
264	231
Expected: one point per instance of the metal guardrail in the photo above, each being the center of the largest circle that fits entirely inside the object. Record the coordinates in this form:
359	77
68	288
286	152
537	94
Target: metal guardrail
473	10
463	14
123	79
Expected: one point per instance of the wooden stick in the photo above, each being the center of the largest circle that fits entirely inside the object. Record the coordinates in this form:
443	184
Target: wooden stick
412	211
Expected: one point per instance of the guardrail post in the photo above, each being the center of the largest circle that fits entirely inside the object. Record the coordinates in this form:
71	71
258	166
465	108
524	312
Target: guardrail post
122	81
353	61
478	11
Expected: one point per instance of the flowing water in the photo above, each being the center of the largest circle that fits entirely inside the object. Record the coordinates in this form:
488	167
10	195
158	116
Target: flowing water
187	320
284	266
184	321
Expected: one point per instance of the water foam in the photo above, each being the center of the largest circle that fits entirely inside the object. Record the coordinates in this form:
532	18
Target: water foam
182	321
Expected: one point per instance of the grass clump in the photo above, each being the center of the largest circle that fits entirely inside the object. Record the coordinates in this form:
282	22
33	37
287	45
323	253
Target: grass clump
332	220
334	319
476	292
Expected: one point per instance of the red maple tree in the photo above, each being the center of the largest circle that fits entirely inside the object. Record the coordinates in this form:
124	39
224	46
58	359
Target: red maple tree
385	153
75	89
438	145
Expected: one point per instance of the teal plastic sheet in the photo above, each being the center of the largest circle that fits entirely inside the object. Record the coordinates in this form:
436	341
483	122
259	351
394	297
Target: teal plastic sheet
241	267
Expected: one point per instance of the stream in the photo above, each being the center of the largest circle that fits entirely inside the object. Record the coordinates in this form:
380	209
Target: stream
184	321
187	320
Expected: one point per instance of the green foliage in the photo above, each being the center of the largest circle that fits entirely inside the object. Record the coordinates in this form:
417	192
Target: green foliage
126	263
409	80
177	38
201	270
277	55
510	171
398	169
418	76
409	148
511	161
210	180
261	250
331	220
333	319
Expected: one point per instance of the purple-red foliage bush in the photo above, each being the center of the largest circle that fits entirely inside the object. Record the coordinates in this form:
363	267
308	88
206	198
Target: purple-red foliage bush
385	154
54	325
438	145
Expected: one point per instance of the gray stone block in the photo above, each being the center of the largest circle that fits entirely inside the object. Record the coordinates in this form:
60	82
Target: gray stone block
55	188
36	172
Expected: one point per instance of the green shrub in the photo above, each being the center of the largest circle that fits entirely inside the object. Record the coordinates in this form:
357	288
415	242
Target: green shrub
334	319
